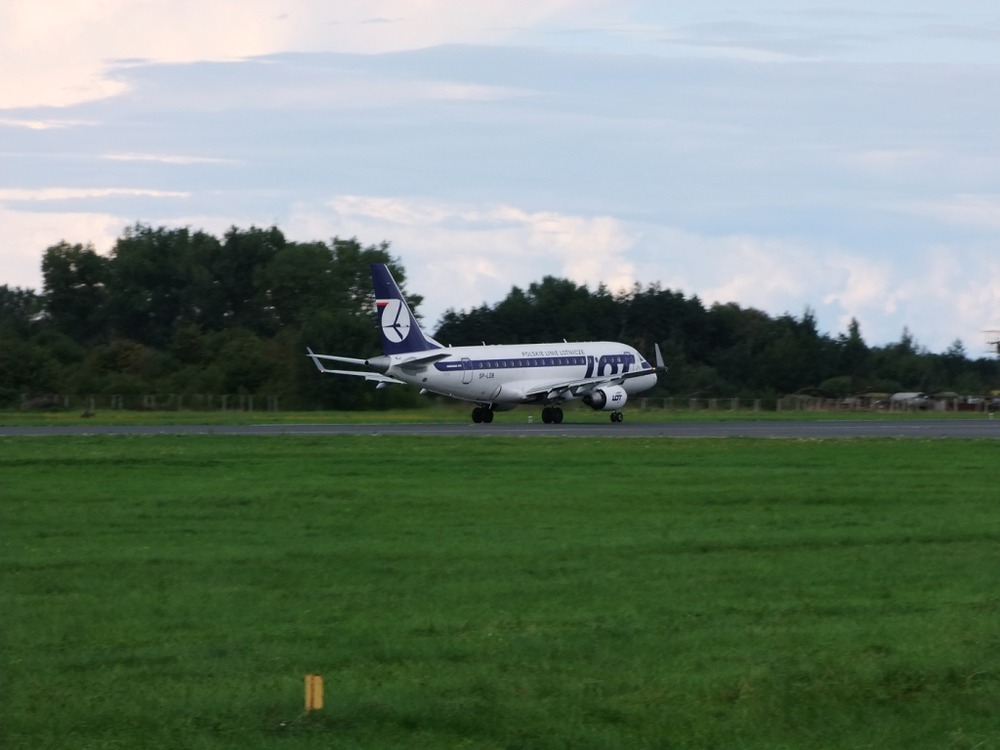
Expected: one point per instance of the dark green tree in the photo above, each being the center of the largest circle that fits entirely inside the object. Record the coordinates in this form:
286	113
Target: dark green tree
853	355
155	284
27	365
21	312
76	291
238	270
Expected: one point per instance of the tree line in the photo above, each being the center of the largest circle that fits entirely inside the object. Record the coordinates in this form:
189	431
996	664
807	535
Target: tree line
723	350
176	311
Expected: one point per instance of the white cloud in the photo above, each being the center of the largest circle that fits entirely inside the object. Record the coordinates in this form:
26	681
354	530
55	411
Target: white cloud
461	256
860	290
27	234
464	255
65	51
391	25
167	158
757	271
65	193
968	211
892	161
41	124
970	291
69	51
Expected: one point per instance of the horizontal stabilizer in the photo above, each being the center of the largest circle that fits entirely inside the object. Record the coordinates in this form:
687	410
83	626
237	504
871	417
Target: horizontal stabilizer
373	376
426	359
332	358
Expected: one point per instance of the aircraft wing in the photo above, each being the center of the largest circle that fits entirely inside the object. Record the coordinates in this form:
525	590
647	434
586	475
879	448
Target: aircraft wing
585	385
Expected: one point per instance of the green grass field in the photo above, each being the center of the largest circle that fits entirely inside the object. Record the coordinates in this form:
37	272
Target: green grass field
499	593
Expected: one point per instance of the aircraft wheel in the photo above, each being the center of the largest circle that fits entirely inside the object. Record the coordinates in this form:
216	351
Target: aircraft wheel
547	415
617	416
487	414
557	415
477	415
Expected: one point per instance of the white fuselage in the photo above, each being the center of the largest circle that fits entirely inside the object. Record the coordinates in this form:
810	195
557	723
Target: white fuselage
521	373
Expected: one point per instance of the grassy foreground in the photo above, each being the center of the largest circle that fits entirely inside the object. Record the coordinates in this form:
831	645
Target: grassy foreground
173	592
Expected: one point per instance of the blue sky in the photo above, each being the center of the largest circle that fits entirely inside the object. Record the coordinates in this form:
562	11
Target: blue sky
779	155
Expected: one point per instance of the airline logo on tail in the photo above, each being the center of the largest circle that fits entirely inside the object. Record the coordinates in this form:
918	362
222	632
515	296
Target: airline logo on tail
395	319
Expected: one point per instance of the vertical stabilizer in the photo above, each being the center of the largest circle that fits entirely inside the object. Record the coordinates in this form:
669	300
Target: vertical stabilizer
399	329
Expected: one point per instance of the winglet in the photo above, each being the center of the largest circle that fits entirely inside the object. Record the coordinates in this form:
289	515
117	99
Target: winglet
312	355
660	366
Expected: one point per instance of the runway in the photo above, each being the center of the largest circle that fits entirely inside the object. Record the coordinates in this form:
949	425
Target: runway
819	429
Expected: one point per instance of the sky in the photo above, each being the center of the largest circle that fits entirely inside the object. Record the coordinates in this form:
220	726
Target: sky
839	156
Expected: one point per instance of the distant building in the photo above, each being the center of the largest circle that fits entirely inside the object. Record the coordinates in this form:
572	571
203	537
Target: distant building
909	400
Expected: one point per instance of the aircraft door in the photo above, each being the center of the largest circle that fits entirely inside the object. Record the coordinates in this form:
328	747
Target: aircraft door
466	370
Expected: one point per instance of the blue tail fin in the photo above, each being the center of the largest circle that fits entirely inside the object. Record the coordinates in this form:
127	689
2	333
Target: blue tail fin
400	332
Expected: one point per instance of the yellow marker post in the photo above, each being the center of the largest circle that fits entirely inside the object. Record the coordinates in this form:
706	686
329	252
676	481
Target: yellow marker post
314	692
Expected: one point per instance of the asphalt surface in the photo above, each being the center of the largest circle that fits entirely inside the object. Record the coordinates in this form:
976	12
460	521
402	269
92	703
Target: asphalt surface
794	429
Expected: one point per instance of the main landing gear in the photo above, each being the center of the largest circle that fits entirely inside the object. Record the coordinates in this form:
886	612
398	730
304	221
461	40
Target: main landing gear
482	414
552	415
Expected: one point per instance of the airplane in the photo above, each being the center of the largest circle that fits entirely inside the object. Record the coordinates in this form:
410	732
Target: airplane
602	374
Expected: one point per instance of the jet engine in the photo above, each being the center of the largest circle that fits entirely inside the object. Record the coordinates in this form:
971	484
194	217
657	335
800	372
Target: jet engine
609	398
